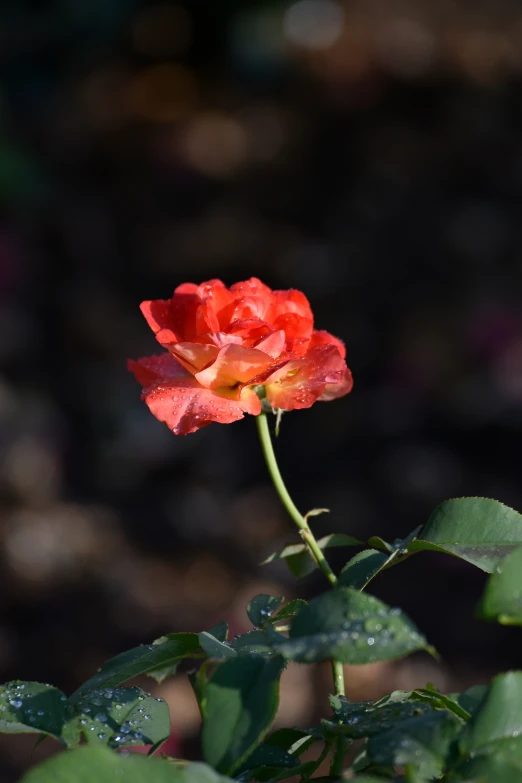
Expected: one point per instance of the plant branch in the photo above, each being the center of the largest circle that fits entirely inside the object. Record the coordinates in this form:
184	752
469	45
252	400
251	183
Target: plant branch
275	474
301	522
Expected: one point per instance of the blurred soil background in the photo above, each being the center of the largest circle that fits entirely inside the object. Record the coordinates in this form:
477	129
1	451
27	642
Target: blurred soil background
368	153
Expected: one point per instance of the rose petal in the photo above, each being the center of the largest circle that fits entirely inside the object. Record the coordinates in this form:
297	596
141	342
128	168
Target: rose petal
249	330
175	397
300	382
234	364
253	299
320	337
332	391
217	298
174	319
290	301
273	344
252	287
250	307
219	339
158	315
194	356
152	368
298	331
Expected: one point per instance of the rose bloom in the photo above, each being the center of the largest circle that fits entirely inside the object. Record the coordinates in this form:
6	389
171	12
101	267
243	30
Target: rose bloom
226	345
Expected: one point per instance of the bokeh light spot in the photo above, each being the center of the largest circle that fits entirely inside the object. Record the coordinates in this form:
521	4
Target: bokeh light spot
215	144
314	24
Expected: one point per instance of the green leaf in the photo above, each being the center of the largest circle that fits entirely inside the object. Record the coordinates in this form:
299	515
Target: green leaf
123	716
261	608
214	648
31	707
253	643
199	682
241	701
219	631
502	597
499	763
294	741
379	543
471	699
422	741
351	627
197	772
464	705
92	763
364	719
298	558
499	716
479	530
373	779
305	770
265	760
289	610
158	659
363	567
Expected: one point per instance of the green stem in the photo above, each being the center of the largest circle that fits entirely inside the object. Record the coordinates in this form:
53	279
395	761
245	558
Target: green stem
336	766
288	503
324	753
301	522
338	677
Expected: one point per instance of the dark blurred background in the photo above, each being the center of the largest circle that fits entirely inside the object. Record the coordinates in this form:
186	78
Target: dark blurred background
368	153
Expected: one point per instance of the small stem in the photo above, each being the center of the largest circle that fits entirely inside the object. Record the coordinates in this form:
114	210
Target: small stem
324	753
301	522
336	766
338	677
288	503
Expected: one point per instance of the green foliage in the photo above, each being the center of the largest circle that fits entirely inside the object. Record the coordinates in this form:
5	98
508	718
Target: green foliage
479	530
112	716
241	700
498	717
219	631
498	764
31	707
364	719
422	741
266	760
214	648
88	764
289	610
361	569
411	737
463	705
254	642
261	608
351	627
298	558
158	659
491	744
123	716
502	598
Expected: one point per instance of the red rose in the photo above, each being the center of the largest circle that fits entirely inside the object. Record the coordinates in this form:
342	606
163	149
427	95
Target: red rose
222	342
